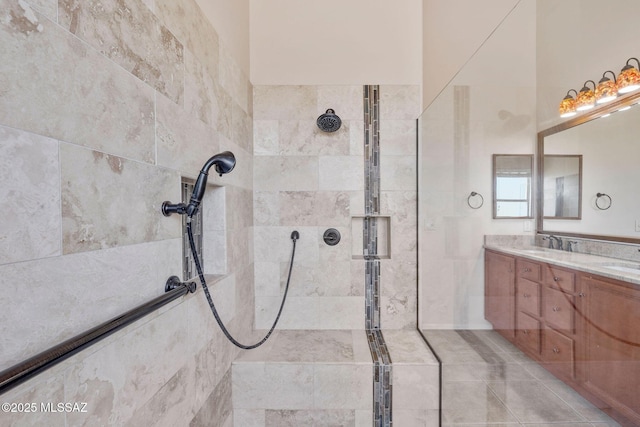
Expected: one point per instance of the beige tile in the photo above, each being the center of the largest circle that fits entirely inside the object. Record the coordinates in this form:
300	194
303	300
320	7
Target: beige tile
80	100
399	102
189	25
341	173
200	99
249	417
241	128
304	138
330	208
343	386
107	279
218	406
108	379
128	33
346	101
49	8
416	418
531	402
266	137
109	201
45	392
290	173
273	386
233	79
398	138
266	207
317	417
179	146
408	348
171	404
473	402
29	196
301	102
415	387
398	173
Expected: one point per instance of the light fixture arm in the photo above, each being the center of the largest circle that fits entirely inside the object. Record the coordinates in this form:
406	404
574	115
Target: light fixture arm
605	78
586	88
635	59
571	90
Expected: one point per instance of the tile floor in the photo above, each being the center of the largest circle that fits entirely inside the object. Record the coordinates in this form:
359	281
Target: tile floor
489	382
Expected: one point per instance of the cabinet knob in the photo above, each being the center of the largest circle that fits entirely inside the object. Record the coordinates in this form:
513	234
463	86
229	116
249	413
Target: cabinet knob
556	350
556	279
556	309
581	294
526	295
526	270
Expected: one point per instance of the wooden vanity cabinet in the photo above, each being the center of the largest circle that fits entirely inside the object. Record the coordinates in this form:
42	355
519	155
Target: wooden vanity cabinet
528	306
612	343
499	293
583	328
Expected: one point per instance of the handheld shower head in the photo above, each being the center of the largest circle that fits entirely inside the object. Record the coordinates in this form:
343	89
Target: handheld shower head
224	163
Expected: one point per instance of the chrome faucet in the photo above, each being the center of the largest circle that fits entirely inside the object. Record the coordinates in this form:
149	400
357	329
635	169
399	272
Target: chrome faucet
570	245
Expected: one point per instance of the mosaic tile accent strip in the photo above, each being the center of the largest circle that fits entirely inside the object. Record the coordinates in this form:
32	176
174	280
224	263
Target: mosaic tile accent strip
188	262
382	375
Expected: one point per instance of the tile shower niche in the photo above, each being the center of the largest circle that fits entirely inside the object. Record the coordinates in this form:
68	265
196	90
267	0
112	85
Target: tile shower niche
209	231
377	225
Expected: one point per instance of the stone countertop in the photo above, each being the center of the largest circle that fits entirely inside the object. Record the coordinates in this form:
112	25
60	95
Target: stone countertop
614	268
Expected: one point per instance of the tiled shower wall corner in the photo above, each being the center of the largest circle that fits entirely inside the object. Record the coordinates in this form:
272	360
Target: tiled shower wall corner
101	111
308	180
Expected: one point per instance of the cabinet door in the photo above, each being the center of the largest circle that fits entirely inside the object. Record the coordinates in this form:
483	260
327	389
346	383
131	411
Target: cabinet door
499	301
612	347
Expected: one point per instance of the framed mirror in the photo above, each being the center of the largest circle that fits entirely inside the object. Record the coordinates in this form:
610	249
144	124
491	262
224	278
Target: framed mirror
512	186
562	188
606	142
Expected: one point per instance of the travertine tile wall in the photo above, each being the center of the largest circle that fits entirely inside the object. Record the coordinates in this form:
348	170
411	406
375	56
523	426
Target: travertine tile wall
103	106
308	180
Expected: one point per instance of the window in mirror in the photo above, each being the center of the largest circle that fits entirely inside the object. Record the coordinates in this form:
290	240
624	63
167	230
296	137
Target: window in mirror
512	178
562	186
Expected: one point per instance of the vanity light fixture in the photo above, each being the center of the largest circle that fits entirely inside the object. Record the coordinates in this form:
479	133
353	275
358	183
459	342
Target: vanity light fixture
607	90
568	105
586	98
629	77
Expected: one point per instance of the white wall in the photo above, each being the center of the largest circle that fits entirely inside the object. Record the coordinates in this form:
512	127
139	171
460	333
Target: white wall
452	31
336	42
231	20
579	40
489	108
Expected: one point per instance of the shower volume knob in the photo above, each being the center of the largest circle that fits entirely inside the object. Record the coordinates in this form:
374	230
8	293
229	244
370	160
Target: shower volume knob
331	237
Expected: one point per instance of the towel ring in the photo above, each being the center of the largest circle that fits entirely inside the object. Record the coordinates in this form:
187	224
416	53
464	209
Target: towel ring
473	194
607	203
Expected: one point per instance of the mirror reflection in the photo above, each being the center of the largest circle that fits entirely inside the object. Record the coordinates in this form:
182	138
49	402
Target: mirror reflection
562	178
607	146
512	176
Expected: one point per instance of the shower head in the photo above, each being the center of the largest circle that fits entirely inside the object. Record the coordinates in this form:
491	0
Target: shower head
329	121
224	163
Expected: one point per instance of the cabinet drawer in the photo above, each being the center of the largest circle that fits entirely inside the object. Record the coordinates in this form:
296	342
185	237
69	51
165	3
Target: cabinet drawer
559	309
558	353
528	332
529	270
558	278
528	297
